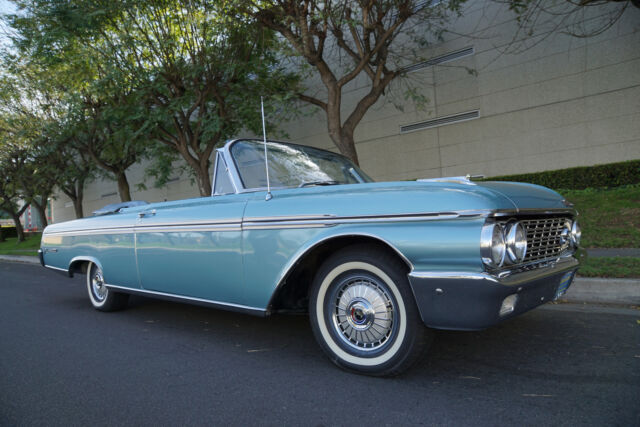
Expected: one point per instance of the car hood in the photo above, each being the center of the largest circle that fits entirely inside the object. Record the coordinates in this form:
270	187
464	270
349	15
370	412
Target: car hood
389	198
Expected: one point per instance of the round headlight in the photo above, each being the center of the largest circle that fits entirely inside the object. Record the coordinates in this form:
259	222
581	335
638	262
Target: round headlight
493	246
576	234
516	237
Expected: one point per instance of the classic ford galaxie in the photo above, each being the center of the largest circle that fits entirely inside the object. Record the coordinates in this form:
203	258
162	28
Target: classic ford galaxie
308	231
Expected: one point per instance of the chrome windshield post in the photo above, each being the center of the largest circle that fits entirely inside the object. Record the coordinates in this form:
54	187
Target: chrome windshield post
222	171
225	153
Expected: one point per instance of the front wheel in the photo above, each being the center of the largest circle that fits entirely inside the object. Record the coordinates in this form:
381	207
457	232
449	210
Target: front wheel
101	297
363	313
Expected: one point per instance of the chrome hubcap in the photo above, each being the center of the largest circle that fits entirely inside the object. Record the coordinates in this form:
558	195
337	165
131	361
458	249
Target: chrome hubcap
98	287
363	314
360	314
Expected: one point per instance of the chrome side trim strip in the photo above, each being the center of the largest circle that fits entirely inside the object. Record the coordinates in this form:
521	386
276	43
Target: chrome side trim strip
327	221
452	275
288	224
189	228
85	232
415	216
532	211
185	298
288	217
56	268
221	222
224	225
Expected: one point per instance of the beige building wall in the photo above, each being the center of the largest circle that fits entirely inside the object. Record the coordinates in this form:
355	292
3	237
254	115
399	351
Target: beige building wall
562	102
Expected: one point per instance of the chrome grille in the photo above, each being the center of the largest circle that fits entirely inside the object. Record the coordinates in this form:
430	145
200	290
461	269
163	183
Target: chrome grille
544	238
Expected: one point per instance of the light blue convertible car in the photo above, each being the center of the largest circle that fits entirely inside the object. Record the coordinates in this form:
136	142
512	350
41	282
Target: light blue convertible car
372	263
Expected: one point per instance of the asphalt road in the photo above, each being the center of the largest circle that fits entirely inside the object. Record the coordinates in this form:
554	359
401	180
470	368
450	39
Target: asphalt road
159	363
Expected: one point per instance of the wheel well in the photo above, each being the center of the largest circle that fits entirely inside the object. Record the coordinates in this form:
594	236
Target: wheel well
79	266
292	294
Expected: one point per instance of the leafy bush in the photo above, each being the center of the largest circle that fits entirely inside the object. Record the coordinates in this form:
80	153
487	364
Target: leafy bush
599	176
8	232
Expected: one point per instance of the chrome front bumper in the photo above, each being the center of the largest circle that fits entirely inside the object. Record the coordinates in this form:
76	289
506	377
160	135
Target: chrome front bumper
473	301
41	257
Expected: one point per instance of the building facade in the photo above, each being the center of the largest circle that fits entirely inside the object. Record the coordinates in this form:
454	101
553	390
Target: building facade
559	101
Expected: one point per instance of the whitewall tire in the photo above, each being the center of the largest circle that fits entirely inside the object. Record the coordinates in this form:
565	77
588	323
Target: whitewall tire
101	297
363	313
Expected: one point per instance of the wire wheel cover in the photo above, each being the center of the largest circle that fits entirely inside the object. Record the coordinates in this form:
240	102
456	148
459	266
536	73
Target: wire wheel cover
98	287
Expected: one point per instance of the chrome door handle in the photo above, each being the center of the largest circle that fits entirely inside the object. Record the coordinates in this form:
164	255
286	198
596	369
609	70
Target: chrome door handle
146	213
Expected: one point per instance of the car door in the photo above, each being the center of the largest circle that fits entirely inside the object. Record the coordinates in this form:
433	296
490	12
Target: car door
192	248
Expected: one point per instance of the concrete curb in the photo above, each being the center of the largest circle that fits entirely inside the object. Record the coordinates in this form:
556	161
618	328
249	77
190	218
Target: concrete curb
604	291
20	258
582	290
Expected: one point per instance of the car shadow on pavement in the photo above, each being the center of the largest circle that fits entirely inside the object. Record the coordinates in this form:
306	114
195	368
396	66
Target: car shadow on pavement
540	344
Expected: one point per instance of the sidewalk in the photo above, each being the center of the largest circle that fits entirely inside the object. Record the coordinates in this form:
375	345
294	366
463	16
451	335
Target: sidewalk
582	290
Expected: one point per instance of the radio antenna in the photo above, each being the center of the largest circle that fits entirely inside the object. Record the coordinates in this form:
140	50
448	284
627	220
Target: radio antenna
266	161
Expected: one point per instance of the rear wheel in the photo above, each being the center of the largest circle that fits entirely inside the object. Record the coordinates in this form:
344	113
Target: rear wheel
363	313
101	297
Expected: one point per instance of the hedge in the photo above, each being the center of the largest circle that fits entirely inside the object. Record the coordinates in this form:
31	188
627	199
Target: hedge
599	176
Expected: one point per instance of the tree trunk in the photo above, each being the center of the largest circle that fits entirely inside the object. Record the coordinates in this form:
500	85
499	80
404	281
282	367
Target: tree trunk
123	187
341	137
346	144
2	239
77	207
77	201
41	207
18	224
204	180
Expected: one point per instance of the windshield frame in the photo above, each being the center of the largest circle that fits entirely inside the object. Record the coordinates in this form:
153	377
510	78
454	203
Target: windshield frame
235	176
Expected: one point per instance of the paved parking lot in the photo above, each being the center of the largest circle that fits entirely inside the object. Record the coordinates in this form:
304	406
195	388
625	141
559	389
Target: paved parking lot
63	363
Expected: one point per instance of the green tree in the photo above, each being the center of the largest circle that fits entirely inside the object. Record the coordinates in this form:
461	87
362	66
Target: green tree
24	110
198	74
74	166
344	40
201	74
99	120
11	197
110	133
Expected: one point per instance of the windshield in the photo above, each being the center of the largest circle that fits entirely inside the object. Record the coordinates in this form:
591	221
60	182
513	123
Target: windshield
292	166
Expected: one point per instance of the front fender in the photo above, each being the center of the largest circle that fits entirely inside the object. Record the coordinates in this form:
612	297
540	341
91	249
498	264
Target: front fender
443	245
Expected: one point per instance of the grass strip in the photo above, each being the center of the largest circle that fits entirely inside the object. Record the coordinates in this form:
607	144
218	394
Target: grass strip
30	246
609	218
612	267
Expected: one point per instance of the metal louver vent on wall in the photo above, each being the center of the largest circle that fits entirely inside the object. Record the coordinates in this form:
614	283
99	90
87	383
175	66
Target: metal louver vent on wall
440	121
440	59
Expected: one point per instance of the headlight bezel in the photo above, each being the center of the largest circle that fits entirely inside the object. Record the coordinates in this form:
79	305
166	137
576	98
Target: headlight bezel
490	256
516	242
576	233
